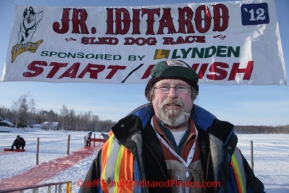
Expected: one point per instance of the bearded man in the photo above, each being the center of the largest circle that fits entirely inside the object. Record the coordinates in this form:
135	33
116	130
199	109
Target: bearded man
171	144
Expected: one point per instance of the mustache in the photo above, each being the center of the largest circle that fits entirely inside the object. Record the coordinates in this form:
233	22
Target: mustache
169	101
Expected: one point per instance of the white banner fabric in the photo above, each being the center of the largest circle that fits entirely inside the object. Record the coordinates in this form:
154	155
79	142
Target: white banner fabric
231	43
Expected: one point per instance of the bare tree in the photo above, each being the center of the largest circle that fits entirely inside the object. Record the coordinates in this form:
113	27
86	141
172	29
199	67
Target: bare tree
21	108
64	117
105	125
87	120
94	124
72	119
32	112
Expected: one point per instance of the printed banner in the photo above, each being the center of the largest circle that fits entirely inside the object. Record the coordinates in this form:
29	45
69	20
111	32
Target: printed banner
224	42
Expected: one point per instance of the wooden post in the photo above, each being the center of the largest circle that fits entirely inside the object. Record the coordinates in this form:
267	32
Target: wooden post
252	157
68	145
94	141
37	151
69	187
84	140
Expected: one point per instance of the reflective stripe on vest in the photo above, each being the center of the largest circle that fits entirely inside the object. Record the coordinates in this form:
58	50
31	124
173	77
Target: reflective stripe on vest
117	167
237	165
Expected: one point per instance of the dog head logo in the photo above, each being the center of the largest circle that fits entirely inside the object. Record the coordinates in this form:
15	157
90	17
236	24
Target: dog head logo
28	24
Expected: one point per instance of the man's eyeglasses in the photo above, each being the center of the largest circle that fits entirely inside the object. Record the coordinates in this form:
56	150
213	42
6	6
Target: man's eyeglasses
180	89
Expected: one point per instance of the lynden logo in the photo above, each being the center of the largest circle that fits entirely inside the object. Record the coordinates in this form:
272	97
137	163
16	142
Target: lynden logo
159	54
28	25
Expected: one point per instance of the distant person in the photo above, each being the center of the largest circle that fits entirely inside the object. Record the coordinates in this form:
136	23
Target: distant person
19	142
105	136
88	138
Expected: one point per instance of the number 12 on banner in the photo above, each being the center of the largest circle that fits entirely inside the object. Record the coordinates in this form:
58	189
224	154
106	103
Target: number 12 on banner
255	14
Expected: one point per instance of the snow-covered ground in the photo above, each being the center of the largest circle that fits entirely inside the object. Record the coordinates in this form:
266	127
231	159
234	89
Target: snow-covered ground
271	156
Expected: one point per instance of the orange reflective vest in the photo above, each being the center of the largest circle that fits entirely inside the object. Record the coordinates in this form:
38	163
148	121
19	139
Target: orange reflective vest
117	167
239	173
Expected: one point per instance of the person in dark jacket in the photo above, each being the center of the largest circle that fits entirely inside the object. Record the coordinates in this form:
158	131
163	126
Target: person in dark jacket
88	137
18	143
171	144
105	136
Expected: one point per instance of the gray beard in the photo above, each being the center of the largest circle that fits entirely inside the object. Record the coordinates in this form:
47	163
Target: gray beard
173	118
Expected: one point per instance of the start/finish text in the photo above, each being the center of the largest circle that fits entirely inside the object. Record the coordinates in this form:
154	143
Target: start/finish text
214	71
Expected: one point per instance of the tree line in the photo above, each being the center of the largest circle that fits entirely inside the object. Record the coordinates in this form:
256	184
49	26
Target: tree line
23	113
252	129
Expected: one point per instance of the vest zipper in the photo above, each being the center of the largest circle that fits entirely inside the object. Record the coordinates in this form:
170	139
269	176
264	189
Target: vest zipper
208	165
157	162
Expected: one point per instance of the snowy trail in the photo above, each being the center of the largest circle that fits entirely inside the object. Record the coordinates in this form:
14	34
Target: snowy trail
271	155
7	152
46	170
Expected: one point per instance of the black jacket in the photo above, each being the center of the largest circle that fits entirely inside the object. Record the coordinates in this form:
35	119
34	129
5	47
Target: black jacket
212	132
18	142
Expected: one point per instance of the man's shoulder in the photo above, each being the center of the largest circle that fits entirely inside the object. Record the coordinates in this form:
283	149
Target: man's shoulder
144	113
202	118
205	119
